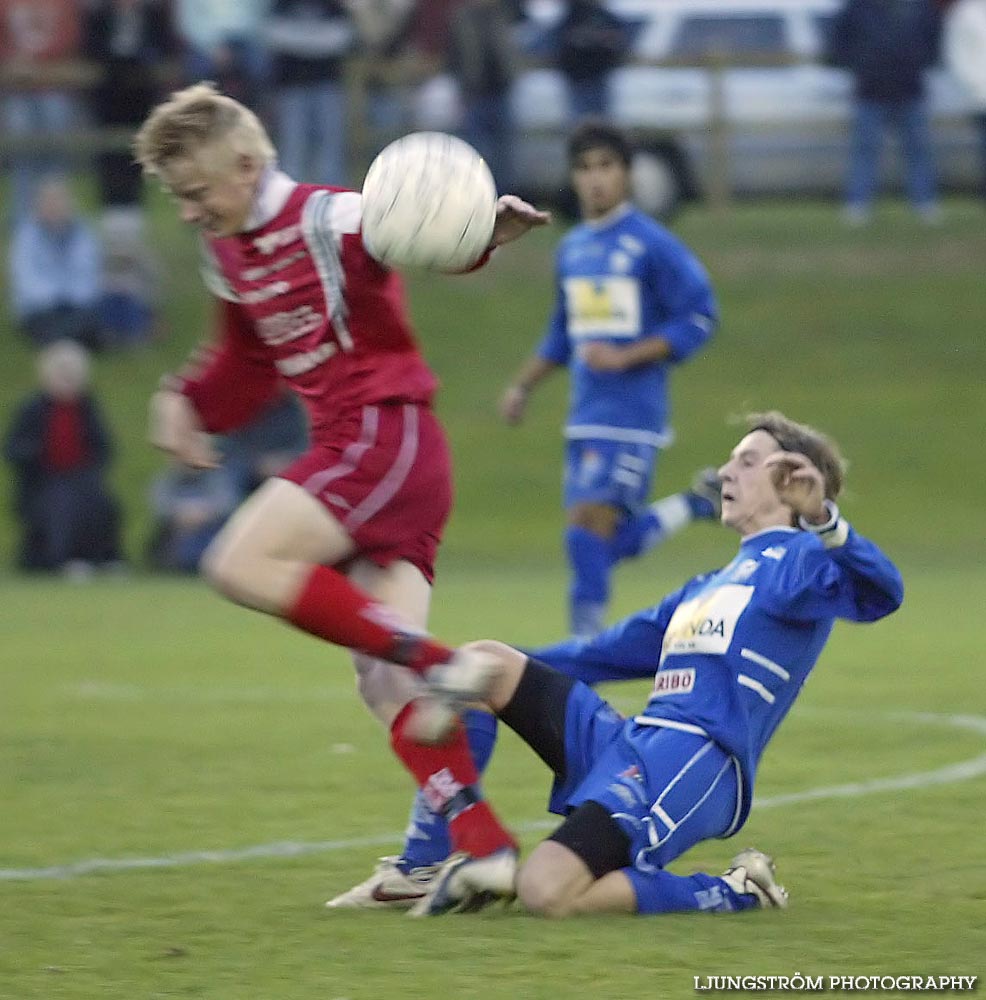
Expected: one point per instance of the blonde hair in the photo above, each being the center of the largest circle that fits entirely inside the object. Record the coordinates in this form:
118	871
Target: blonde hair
792	436
195	117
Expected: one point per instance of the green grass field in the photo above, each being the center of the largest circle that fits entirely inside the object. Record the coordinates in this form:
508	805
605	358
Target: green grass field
220	769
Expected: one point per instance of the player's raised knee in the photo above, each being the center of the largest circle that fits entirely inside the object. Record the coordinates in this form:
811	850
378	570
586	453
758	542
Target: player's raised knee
500	650
222	569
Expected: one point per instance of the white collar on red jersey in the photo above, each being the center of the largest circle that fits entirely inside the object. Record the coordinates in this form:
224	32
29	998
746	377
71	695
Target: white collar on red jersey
273	190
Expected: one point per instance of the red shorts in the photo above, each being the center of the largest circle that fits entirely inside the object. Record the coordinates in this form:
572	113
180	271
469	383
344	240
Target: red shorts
385	474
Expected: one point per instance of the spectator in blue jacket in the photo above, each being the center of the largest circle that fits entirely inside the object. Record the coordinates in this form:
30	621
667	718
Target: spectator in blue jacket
56	271
887	45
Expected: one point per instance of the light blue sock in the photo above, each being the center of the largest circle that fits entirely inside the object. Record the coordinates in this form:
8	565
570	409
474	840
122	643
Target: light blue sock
427	838
662	892
591	558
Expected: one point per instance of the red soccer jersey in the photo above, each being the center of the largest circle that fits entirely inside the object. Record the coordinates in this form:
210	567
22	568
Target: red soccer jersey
303	301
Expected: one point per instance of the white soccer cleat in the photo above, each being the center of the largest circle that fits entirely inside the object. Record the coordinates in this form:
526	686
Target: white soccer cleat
388	888
465	884
752	874
449	687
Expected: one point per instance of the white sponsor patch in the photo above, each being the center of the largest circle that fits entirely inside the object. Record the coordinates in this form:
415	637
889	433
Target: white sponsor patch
283	327
774	552
706	623
607	307
266	292
743	571
272	241
259	273
298	364
673	682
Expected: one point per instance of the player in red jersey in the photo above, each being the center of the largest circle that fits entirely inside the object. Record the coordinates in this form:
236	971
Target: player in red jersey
342	543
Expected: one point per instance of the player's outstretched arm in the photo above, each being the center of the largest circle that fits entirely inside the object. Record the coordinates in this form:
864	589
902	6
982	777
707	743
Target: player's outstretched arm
514	217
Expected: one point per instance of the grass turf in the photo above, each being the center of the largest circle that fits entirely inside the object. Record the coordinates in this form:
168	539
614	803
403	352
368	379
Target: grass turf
144	718
163	722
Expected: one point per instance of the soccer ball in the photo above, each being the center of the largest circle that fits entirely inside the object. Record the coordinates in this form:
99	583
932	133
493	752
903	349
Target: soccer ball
429	201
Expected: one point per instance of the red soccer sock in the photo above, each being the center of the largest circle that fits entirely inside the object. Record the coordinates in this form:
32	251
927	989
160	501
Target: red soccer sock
330	607
449	780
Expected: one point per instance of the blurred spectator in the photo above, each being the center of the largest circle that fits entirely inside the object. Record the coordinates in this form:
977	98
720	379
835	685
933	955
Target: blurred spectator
382	28
129	306
55	271
59	448
887	45
430	29
189	506
263	447
222	43
309	41
591	42
482	59
965	56
38	103
129	39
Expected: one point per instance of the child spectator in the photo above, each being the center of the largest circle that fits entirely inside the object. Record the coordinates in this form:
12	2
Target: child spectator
268	444
129	308
59	447
190	506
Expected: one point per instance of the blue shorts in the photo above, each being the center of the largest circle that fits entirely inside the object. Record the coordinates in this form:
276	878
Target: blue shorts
610	472
666	789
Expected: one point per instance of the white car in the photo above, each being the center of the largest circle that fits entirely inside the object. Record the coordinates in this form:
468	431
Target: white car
715	92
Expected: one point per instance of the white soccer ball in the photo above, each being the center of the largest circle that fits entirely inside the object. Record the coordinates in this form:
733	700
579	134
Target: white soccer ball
429	201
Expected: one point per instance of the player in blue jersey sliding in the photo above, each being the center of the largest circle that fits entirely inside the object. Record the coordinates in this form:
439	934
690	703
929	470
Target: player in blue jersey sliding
632	303
729	652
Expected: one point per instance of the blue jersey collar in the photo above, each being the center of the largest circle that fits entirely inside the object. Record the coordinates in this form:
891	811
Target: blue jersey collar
611	217
759	537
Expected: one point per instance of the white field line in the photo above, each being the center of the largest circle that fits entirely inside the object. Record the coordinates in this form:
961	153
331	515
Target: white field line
949	774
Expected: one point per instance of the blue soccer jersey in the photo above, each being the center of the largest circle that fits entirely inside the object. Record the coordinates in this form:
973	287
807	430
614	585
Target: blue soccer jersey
731	649
620	281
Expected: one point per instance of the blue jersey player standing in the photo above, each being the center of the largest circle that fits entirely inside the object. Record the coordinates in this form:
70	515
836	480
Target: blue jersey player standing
632	303
729	653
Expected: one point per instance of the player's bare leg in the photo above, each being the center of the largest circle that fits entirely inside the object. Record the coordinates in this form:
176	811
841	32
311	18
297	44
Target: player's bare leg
384	688
276	555
556	882
271	557
266	550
